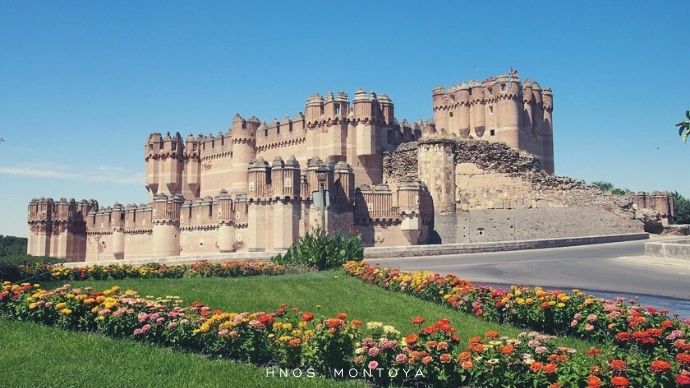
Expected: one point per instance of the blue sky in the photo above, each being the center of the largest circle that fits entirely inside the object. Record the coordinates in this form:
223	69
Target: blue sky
83	83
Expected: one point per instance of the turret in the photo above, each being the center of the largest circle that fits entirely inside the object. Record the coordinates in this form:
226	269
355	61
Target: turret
171	161
243	137
364	131
152	150
315	110
259	178
192	167
166	225
386	105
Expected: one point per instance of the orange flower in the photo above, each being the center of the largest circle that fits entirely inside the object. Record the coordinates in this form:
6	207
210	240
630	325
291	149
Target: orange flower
618	365
554	385
307	316
426	360
536	366
550	368
683	358
446	358
593	382
478	348
506	350
491	334
475	340
660	366
418	320
356	323
333	323
295	342
411	339
466	364
430	330
341	316
619	382
592	352
464	356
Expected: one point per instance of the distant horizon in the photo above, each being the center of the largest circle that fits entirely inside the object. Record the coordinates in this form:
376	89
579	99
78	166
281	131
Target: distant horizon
84	84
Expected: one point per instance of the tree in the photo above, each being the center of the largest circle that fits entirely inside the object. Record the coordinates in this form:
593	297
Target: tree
603	186
684	127
10	245
682	206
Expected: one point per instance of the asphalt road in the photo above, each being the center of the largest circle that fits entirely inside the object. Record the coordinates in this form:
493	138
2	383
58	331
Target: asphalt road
616	268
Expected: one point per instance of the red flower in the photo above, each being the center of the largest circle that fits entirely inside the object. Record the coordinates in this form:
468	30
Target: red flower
307	316
430	330
618	365
554	385
356	323
592	352
683	380
683	358
593	382
341	316
418	320
623	336
667	324
619	382
265	319
217	312
660	366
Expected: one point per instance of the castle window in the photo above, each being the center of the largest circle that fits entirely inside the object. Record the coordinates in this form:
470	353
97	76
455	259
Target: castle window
266	131
492	132
491	91
391	137
174	146
451	114
503	87
278	128
289	126
491	109
337	109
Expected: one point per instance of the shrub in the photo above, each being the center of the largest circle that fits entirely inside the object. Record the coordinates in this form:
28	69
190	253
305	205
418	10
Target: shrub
323	250
21	267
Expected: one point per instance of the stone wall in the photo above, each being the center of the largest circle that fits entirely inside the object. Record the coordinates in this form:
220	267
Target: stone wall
501	195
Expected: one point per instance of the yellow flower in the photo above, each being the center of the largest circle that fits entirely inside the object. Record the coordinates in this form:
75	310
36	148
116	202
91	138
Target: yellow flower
33	306
560	305
65	312
60	306
520	301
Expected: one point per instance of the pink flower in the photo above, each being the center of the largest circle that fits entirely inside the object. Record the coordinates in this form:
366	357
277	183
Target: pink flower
401	358
541	349
592	317
146	328
172	325
142	317
373	365
223	332
373	352
573	323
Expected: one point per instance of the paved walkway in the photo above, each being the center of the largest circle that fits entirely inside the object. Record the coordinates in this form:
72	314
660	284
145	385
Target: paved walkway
614	268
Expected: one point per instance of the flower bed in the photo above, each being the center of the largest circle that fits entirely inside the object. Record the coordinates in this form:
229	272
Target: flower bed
152	270
628	325
337	346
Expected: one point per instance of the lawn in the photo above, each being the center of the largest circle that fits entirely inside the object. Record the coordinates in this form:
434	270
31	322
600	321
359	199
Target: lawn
35	355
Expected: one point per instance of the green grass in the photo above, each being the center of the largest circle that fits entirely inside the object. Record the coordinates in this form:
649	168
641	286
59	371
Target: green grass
35	355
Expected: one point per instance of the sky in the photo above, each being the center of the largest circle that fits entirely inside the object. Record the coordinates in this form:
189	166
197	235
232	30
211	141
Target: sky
83	83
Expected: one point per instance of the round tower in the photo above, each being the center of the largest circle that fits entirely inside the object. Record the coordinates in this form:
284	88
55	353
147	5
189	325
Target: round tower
508	106
166	225
243	137
462	97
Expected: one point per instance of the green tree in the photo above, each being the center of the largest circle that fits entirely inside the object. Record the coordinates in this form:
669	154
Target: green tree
684	127
682	206
10	245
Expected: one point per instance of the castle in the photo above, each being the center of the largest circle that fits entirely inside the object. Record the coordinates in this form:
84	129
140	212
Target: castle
480	170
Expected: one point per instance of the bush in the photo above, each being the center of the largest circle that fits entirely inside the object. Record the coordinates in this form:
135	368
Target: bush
323	250
22	267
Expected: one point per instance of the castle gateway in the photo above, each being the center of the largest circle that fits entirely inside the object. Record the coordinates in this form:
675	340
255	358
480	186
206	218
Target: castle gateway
480	170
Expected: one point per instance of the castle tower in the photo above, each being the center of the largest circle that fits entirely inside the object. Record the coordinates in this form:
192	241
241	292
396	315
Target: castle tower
243	137
408	206
440	106
462	112
508	106
365	129
436	167
285	202
259	215
166	225
226	222
152	150
387	110
192	167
